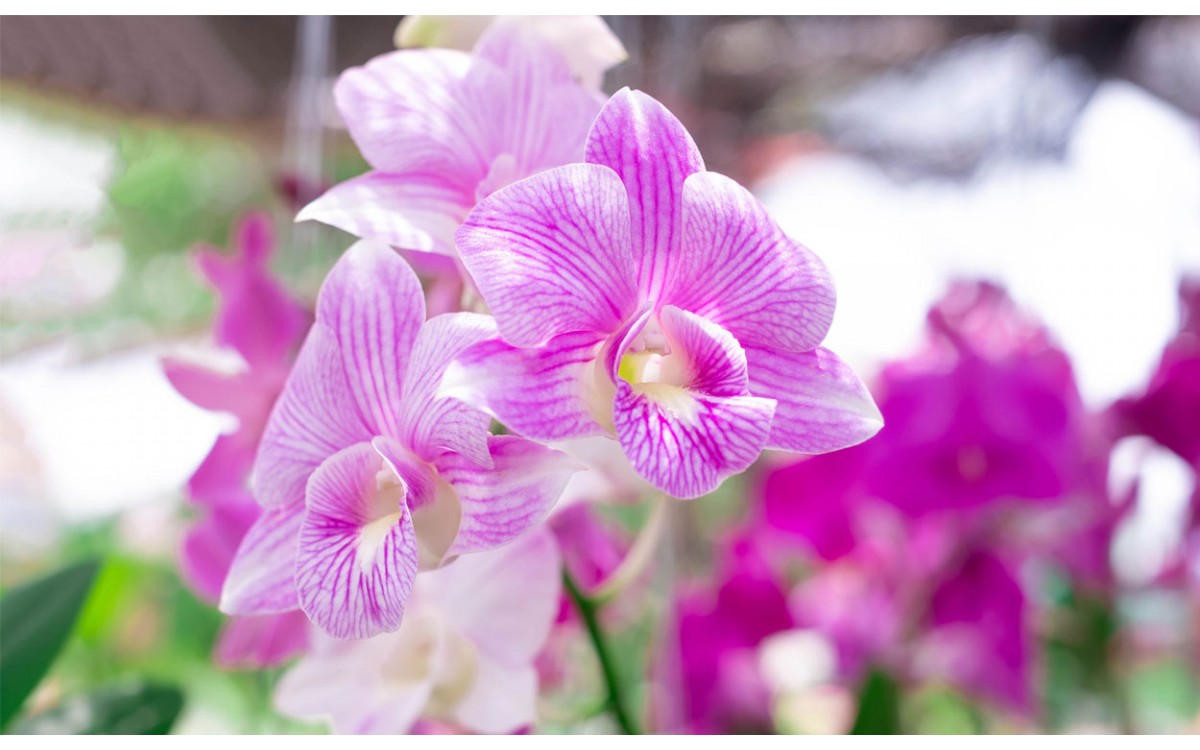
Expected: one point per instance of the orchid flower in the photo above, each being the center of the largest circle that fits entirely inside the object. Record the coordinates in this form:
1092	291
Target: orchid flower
259	321
442	128
365	475
641	297
588	45
463	655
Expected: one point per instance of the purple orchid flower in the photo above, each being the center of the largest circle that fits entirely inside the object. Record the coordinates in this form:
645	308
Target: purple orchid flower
365	475
641	297
257	319
442	129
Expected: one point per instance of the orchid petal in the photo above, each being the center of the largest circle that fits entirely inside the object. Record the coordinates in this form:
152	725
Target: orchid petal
433	422
210	545
739	269
687	437
652	153
535	112
265	641
540	393
551	255
501	503
261	579
502	698
822	405
314	418
255	315
340	682
373	302
408	112
475	594
686	445
358	556
413	211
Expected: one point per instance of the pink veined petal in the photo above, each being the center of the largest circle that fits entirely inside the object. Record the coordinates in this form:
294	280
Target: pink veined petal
541	393
688	454
261	580
340	682
502	699
413	211
737	268
503	600
410	111
266	641
314	418
821	406
431	422
550	254
358	555
686	438
501	503
373	303
652	153
533	109
419	480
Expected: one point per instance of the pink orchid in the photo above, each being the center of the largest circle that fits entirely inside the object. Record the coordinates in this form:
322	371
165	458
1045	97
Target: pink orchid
365	475
588	45
463	655
443	128
641	297
257	319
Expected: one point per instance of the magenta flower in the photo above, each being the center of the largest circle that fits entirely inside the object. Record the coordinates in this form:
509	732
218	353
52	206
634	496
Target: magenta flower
719	636
366	476
442	129
989	412
257	319
1168	410
463	656
642	297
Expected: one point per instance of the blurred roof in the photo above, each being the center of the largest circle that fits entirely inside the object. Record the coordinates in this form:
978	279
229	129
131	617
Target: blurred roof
220	67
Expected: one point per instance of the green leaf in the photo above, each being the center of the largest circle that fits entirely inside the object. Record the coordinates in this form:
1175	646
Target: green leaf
139	708
35	621
878	706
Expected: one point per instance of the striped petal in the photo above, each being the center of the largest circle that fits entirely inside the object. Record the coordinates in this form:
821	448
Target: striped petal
551	254
262	577
686	435
373	303
433	422
544	393
358	554
410	111
314	418
413	211
821	406
503	502
652	153
737	268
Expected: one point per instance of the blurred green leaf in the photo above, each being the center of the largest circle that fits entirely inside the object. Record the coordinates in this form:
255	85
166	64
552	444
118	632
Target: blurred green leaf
35	621
140	708
878	706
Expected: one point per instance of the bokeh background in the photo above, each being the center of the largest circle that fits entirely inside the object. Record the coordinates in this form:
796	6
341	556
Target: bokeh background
1058	158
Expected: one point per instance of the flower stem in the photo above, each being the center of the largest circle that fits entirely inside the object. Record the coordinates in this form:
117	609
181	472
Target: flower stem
639	554
588	611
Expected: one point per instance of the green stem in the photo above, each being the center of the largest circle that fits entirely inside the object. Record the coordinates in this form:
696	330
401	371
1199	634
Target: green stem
588	611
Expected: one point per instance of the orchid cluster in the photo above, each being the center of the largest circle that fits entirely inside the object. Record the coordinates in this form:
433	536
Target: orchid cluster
553	331
589	287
